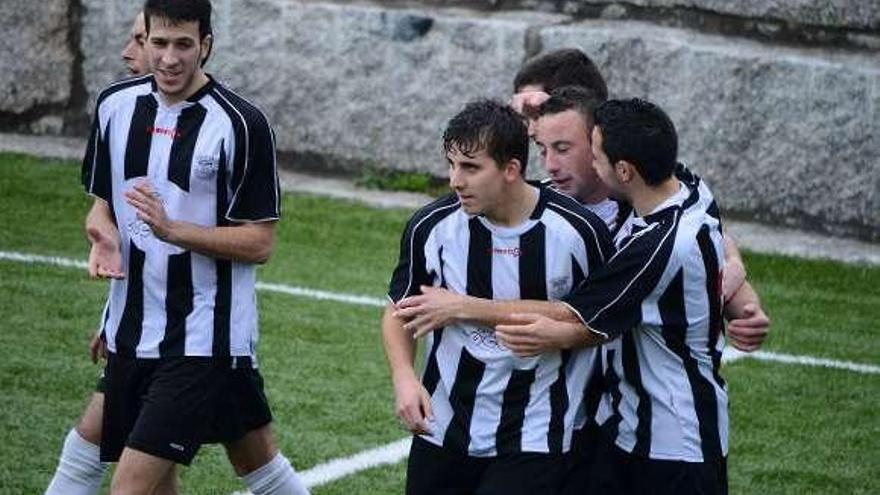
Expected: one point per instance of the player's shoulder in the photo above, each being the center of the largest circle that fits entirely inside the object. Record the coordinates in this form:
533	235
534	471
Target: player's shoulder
439	208
123	89
236	106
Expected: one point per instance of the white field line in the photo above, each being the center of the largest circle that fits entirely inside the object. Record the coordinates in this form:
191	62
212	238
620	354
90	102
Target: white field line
280	288
395	452
731	355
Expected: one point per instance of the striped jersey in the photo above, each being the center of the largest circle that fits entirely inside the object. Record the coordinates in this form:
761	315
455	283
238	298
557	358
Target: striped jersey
486	400
211	160
660	296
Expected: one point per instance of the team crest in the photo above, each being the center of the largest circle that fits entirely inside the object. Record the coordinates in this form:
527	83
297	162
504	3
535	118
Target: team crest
206	166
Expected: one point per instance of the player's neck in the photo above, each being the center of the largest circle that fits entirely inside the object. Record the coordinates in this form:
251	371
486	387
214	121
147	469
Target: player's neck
518	206
199	80
648	198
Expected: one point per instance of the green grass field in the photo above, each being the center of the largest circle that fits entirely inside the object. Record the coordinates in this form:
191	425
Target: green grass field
795	429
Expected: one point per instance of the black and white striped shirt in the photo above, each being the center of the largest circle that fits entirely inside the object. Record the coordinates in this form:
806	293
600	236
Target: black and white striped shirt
211	159
661	295
486	400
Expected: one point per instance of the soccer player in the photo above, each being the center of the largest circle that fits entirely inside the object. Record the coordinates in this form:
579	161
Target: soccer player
188	170
80	470
486	420
568	164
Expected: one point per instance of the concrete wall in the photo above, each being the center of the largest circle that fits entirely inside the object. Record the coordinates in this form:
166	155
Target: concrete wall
777	103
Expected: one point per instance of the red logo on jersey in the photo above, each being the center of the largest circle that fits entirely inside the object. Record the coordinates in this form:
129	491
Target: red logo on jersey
164	131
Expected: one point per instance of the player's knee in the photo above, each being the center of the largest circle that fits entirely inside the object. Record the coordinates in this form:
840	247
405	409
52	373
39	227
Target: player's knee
252	451
90	424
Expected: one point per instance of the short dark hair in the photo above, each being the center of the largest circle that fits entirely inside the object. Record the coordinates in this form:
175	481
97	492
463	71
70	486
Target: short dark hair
641	133
582	100
181	11
558	68
489	125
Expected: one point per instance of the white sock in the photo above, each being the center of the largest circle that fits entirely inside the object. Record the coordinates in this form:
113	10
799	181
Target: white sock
277	477
80	470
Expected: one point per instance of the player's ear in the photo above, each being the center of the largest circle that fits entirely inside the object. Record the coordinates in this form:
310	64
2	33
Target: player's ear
207	44
512	169
624	170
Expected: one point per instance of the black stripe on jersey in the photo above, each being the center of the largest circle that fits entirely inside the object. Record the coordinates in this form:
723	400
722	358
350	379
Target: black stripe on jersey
479	260
432	369
508	436
178	304
633	374
558	406
96	171
140	137
672	313
256	191
462	398
410	271
577	274
612	381
223	295
623	211
713	293
189	122
533	264
128	335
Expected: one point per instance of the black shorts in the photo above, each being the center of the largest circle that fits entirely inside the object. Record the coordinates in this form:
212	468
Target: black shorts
585	445
433	470
619	472
169	407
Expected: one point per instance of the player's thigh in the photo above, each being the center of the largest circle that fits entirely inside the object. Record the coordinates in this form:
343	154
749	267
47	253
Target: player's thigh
523	474
89	426
139	473
431	470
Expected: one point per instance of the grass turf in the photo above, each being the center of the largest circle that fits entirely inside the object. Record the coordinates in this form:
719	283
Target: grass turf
794	429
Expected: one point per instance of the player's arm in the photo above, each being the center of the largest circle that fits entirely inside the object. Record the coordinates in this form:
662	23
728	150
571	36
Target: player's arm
436	308
748	325
244	242
412	402
734	269
526	327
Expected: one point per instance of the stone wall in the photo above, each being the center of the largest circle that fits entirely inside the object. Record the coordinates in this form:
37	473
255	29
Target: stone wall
777	102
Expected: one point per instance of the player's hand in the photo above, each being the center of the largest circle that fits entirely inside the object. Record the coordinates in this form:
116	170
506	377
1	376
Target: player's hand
105	259
527	103
433	309
748	332
150	209
97	348
413	404
529	334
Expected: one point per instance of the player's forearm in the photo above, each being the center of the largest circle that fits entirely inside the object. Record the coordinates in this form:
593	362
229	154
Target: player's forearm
400	347
248	243
101	218
491	312
735	306
734	268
